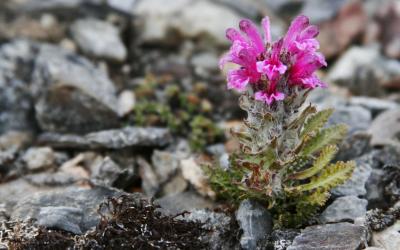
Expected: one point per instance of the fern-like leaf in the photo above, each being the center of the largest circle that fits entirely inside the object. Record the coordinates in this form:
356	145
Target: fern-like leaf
324	137
333	175
299	121
316	121
323	159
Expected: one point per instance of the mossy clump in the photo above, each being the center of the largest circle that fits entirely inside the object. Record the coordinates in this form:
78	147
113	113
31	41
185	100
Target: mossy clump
185	113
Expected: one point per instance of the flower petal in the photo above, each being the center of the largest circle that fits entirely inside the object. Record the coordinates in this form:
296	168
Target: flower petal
238	79
267	29
254	36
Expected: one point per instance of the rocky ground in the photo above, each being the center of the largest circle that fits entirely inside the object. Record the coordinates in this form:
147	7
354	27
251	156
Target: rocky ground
107	103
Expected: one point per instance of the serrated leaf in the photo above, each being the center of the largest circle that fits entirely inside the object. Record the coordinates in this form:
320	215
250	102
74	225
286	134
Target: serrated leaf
316	121
323	159
299	121
324	137
333	175
318	197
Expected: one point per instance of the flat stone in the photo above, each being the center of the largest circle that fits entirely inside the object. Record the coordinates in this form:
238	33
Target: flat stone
222	232
256	223
375	105
356	118
64	218
356	184
319	11
331	237
388	238
186	201
180	18
99	39
360	67
110	139
72	95
195	175
39	158
165	164
344	208
385	129
76	199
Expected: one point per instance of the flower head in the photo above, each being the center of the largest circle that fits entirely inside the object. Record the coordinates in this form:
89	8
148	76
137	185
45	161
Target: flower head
269	68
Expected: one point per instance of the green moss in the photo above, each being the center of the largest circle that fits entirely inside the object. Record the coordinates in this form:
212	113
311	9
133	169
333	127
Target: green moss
185	114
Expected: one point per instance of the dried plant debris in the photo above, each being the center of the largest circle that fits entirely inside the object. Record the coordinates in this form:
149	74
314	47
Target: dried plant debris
378	220
27	236
126	223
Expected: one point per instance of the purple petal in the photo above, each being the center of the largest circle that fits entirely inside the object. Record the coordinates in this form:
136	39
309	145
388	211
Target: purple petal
267	30
298	25
251	31
234	35
238	79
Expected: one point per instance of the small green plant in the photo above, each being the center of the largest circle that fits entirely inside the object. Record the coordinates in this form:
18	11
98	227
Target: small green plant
185	114
286	150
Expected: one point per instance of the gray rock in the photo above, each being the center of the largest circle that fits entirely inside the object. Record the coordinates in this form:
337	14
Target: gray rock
331	237
160	25
284	7
99	39
186	201
125	6
53	179
356	118
87	200
356	184
3	213
256	223
47	5
165	165
354	146
222	233
16	110
281	239
385	129
64	218
39	158
105	172
13	191
216	149
319	11
344	208
224	161
388	238
374	105
364	70
375	187
72	94
11	143
110	139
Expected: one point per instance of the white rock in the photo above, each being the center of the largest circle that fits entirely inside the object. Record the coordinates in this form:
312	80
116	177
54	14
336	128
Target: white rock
126	102
189	18
193	173
38	158
388	238
98	38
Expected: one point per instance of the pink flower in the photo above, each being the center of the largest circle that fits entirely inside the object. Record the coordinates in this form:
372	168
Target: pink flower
267	66
272	66
269	98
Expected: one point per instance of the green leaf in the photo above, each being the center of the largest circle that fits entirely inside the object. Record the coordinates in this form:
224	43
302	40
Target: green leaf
299	121
333	175
316	121
324	137
323	159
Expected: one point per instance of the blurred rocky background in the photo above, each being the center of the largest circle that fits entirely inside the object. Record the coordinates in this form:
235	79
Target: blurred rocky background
103	97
